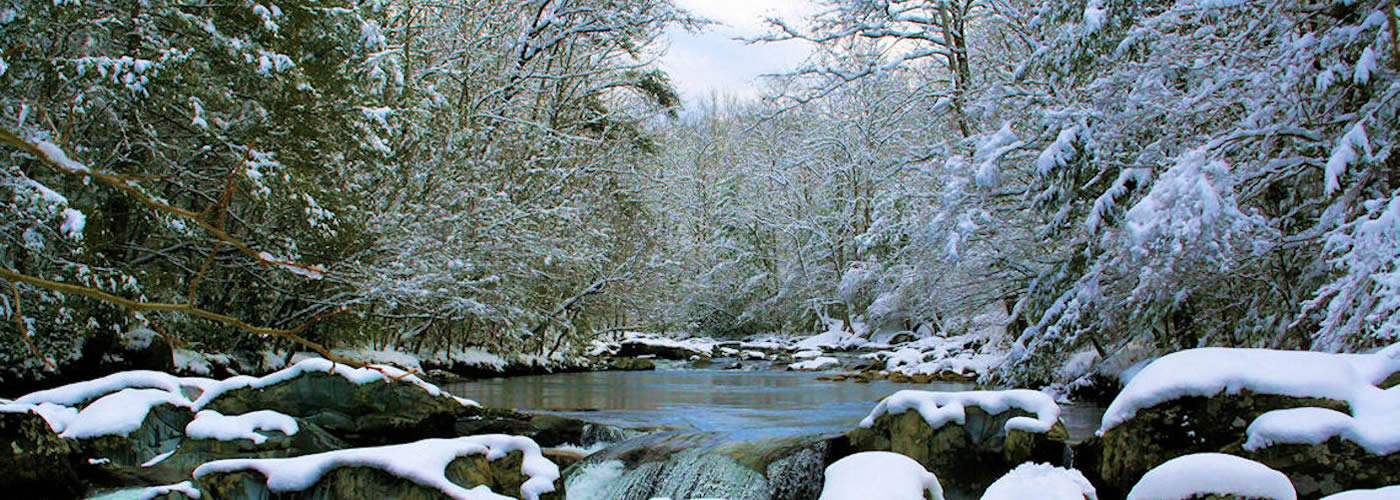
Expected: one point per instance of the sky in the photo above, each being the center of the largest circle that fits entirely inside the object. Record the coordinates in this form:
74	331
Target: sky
714	62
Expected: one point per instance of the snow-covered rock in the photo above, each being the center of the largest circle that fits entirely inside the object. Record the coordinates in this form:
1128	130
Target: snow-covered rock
818	363
967	438
1204	474
1281	405
1041	481
879	474
421	465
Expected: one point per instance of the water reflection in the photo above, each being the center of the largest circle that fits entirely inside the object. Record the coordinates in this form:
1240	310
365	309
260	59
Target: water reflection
748	405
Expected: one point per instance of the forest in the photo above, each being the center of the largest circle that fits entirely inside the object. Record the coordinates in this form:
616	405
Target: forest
520	177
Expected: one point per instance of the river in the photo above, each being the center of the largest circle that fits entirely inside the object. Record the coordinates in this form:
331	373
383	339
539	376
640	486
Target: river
746	405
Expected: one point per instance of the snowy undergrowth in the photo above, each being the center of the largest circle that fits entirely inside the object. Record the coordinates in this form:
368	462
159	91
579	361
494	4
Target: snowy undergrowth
1349	378
423	462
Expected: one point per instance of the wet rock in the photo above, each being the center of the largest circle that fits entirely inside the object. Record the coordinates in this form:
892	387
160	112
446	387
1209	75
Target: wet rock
631	364
191	453
1330	467
35	462
1185	426
503	476
965	457
379	412
547	430
635	348
159	433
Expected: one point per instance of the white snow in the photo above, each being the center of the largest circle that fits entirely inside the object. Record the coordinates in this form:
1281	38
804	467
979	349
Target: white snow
354	375
158	459
81	392
57	416
423	462
879	474
1207	473
697	345
210	424
1215	370
73	223
119	413
1041	481
1386	493
818	363
939	408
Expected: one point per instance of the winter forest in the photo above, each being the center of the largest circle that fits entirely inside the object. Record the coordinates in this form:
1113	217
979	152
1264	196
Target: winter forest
517	177
1032	193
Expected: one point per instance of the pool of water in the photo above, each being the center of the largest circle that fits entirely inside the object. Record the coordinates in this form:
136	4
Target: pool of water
747	405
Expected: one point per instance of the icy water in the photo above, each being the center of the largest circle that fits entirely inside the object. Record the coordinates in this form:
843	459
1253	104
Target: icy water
747	405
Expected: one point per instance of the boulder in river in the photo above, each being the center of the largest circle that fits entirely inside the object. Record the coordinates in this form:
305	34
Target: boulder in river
631	364
507	465
1319	418
967	439
364	406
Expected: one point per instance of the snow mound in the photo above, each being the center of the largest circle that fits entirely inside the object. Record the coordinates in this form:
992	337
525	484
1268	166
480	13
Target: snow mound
1043	481
210	424
57	416
1206	473
1350	378
77	394
818	363
1386	493
698	345
832	340
879	474
423	462
121	413
939	408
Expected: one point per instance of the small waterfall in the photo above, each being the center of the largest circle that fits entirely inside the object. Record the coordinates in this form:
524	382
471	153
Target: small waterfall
688	465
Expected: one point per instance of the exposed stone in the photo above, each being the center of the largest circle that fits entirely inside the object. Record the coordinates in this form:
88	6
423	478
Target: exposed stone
35	462
634	348
309	438
1327	468
1184	426
374	413
159	433
966	457
503	476
631	364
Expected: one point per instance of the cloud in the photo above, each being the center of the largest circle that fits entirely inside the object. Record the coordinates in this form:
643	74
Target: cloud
715	62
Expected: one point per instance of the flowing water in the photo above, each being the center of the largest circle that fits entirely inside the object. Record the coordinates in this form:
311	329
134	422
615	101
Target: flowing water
739	434
745	405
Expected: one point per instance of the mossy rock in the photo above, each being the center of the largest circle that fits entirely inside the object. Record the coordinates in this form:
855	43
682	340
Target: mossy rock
966	457
631	364
1185	426
310	438
1331	467
36	463
375	413
502	476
